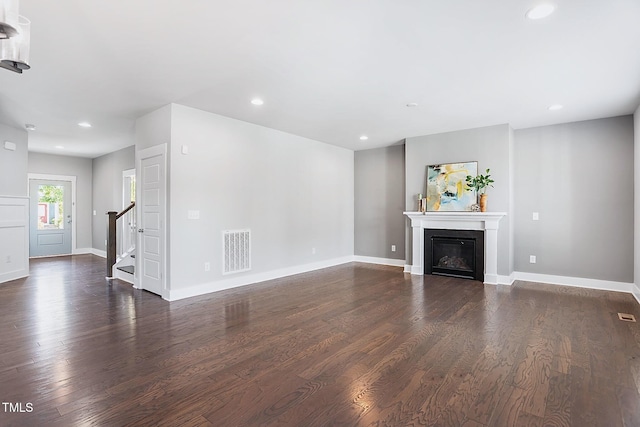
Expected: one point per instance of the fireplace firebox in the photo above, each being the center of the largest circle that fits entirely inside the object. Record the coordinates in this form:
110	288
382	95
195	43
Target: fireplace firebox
457	253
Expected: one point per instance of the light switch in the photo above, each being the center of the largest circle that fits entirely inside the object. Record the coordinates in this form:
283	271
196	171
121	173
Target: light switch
535	216
184	149
193	215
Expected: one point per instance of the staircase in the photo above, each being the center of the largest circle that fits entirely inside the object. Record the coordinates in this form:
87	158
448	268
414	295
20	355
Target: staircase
124	263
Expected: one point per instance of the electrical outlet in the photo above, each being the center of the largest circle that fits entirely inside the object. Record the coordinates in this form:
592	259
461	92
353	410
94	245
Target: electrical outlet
393	248
8	259
532	259
535	216
207	266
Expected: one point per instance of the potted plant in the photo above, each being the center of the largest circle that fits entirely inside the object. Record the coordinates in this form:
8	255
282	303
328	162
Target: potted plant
480	183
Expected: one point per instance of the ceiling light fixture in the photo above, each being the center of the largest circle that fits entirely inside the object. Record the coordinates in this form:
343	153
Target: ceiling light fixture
541	11
15	37
84	124
257	101
364	138
29	126
555	107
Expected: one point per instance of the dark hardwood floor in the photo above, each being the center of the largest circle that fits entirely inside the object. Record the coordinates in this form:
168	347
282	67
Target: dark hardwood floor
351	345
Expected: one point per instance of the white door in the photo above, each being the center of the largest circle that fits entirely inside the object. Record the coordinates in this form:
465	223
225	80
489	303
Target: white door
151	233
50	218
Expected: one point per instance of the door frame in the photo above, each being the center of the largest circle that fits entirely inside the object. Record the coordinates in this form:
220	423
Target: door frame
156	150
125	174
70	178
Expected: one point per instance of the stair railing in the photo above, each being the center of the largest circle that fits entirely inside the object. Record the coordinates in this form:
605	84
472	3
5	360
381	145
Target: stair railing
111	237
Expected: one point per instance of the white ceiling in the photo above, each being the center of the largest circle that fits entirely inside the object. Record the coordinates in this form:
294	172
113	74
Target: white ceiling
329	70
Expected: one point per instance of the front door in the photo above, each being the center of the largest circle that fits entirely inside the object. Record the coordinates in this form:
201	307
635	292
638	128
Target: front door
151	202
50	218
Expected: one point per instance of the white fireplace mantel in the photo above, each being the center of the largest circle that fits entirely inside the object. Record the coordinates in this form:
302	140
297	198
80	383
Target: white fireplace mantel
487	221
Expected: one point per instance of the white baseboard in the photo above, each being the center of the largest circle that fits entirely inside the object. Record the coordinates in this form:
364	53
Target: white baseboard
636	292
506	280
580	282
121	275
381	261
97	252
14	275
205	288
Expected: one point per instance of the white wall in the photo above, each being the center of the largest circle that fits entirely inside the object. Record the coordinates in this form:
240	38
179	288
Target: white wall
81	168
636	203
13	164
295	194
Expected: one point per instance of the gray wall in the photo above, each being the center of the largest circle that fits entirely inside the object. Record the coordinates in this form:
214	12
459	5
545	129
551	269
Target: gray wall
13	164
636	191
491	148
81	168
579	177
294	194
379	202
107	186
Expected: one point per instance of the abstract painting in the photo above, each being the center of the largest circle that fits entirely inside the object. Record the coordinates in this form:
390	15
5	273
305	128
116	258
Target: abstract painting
447	189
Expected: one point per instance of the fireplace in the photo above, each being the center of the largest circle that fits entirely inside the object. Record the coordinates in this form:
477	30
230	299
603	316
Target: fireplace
486	222
457	253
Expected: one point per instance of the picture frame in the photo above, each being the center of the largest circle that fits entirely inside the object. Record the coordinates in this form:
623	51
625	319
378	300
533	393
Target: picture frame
447	189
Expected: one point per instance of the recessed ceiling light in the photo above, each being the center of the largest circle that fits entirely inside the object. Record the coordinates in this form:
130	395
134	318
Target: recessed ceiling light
59	147
541	11
84	124
29	126
257	101
412	104
364	138
555	107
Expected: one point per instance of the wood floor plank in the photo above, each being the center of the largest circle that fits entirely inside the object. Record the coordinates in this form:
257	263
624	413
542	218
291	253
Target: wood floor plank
355	344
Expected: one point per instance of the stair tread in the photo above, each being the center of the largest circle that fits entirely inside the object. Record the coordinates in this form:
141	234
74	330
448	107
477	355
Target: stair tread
127	268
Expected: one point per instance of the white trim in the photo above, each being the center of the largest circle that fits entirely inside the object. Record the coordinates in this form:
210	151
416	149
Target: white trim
381	261
97	252
21	222
636	292
121	275
205	288
407	268
487	221
72	179
506	280
579	282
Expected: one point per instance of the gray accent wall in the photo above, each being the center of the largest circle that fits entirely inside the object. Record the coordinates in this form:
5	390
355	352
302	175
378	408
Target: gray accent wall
107	189
379	202
81	168
295	194
579	178
491	147
13	164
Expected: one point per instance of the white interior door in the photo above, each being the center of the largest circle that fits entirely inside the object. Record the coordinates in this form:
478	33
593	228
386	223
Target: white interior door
50	218
151	221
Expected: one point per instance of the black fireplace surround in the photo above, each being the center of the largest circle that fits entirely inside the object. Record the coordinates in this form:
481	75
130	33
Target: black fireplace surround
457	253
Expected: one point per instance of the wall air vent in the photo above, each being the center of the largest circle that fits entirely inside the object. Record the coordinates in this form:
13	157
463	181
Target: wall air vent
236	251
